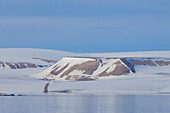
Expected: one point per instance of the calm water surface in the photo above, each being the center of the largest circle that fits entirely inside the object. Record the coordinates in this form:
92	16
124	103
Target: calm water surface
86	104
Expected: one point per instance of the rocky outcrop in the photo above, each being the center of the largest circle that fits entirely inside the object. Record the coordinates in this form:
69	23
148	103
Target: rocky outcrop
162	63
119	70
29	63
2	64
145	62
88	68
46	60
19	65
129	64
132	62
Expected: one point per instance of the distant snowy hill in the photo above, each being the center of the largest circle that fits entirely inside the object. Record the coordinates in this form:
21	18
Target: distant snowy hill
20	59
84	68
88	66
133	54
92	68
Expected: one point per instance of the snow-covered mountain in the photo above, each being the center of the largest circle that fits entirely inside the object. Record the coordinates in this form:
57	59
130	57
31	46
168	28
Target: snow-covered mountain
91	68
20	59
87	66
128	72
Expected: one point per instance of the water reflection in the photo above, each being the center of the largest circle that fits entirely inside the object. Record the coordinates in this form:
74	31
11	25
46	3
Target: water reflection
86	104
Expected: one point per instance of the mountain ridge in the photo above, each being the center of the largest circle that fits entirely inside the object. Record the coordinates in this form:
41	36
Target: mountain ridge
92	68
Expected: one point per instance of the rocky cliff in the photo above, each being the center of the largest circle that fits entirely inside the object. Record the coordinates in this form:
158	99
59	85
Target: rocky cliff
91	68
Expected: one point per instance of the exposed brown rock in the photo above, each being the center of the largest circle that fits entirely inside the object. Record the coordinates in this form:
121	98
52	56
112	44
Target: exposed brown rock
117	63
17	66
22	65
46	60
56	67
30	65
54	72
145	62
162	63
68	77
88	68
104	73
2	64
119	70
25	65
75	77
10	65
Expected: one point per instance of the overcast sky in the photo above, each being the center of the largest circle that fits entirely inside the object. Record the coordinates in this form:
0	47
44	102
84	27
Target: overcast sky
86	25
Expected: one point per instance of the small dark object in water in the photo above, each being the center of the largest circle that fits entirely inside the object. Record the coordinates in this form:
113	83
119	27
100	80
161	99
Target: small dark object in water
66	91
20	95
8	95
3	94
46	79
46	88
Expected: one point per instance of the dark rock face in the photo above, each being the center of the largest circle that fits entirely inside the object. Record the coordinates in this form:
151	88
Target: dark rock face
162	63
46	60
10	65
54	72
68	77
20	65
129	64
2	64
145	62
23	65
30	65
132	62
119	70
88	68
17	66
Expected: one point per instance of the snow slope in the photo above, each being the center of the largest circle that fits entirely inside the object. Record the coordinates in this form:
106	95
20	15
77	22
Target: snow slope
12	54
133	54
22	58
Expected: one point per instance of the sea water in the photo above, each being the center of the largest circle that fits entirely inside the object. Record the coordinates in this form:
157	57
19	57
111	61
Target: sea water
85	104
